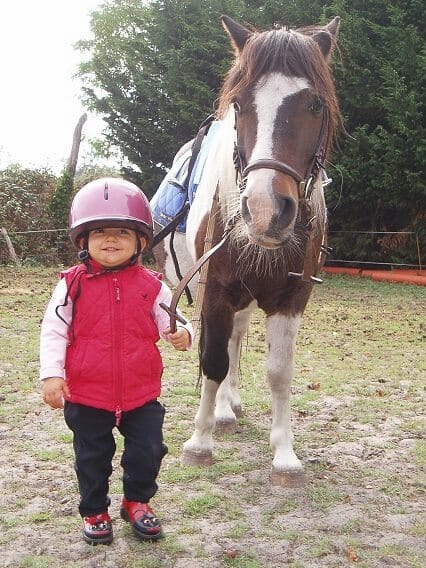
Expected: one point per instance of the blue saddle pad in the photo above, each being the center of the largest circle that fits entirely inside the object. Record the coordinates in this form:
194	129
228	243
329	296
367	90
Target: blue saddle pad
171	196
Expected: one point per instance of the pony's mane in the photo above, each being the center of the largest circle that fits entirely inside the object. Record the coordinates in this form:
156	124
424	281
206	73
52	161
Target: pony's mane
291	52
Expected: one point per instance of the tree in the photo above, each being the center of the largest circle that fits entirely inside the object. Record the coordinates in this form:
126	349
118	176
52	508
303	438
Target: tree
381	84
154	71
61	198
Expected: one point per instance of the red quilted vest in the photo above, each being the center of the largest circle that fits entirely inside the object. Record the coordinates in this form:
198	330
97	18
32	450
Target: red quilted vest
112	360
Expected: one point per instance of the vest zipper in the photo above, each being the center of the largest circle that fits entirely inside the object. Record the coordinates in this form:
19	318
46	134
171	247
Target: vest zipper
118	413
117	350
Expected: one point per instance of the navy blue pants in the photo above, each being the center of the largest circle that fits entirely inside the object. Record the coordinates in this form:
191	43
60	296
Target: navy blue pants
94	447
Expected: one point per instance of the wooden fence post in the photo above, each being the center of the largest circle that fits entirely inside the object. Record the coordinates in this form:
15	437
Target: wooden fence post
10	246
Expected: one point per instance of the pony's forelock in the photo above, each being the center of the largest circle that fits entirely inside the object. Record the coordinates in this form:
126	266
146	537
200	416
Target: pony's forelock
291	52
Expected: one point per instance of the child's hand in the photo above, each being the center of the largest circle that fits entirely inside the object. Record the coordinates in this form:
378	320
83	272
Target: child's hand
54	391
180	339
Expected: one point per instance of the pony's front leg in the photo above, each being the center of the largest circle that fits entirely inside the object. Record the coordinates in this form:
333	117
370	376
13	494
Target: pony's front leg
281	334
198	450
214	359
228	400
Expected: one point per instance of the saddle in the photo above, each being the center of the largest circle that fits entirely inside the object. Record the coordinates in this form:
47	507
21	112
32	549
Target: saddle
175	194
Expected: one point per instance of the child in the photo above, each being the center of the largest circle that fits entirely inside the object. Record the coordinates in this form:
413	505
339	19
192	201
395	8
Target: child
99	358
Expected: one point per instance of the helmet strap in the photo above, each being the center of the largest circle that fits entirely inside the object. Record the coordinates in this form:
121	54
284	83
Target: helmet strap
83	254
138	251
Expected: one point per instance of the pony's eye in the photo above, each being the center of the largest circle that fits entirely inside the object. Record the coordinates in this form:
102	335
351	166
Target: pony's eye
316	105
237	106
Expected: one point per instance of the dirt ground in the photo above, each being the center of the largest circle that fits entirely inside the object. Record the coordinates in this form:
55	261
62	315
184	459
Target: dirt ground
357	415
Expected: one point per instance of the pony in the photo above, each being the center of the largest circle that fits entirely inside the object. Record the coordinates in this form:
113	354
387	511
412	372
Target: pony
277	117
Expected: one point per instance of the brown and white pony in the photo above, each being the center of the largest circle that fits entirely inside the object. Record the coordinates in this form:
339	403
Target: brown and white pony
278	114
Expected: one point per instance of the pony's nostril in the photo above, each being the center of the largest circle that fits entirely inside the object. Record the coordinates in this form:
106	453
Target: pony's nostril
245	212
286	205
286	213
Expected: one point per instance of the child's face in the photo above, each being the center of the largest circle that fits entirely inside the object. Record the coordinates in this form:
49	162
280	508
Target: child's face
112	247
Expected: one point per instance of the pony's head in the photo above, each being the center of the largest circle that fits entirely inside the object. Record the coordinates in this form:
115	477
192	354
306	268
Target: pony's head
286	115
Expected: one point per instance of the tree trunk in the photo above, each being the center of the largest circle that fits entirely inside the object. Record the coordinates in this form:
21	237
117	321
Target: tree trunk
72	160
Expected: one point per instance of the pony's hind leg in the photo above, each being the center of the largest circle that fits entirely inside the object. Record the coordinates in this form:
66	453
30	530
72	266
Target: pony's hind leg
228	400
281	334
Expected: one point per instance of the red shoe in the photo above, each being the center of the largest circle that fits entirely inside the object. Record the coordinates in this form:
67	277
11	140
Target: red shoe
97	529
144	522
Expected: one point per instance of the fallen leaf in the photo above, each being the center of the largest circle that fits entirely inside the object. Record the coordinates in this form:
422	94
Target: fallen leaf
231	552
380	391
351	554
314	386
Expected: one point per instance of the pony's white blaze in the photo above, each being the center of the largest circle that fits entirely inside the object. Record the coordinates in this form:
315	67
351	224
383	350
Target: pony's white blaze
269	96
281	334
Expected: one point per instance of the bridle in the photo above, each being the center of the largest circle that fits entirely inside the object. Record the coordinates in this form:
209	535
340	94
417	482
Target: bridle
305	188
305	182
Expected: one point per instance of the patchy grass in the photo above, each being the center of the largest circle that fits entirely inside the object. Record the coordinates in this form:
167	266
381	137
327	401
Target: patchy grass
358	417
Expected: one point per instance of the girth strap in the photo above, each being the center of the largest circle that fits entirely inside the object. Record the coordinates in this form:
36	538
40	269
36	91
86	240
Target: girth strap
196	147
171	227
162	234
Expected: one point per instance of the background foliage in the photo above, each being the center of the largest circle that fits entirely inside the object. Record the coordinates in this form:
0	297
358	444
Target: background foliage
153	70
24	201
380	81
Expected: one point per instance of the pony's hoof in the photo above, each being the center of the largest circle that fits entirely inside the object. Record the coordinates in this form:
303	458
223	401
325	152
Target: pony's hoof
225	426
190	457
290	479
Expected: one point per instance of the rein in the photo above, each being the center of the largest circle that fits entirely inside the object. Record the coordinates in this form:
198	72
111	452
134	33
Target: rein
202	266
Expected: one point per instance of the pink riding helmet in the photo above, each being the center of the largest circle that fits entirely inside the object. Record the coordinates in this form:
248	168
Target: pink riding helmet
110	202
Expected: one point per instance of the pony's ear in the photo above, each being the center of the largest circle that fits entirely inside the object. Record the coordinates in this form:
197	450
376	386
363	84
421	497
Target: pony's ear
238	34
333	26
326	37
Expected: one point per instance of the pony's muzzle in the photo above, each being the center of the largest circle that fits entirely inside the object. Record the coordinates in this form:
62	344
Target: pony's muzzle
269	217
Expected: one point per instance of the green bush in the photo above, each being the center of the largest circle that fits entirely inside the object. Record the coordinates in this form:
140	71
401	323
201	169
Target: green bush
24	199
